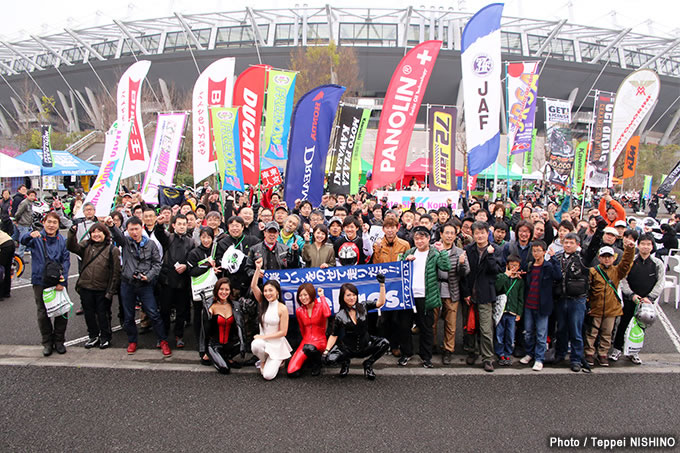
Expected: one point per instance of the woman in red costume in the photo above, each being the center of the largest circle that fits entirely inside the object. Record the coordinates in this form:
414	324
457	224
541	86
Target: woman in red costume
312	316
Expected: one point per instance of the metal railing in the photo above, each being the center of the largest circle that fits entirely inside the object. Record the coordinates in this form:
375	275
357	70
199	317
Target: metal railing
81	145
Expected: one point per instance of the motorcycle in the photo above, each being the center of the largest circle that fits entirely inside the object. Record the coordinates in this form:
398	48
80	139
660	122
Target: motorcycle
670	204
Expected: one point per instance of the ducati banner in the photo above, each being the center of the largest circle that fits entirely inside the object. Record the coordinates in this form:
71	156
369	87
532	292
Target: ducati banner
400	109
47	159
442	141
280	93
129	108
356	157
166	144
560	155
598	161
342	149
522	86
631	156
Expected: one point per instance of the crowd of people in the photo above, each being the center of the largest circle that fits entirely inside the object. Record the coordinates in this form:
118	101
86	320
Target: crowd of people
562	277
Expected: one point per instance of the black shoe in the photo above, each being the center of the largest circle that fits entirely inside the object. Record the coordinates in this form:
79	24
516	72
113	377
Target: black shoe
251	361
47	350
488	366
235	364
368	372
403	360
344	369
576	367
91	343
427	364
79	311
105	344
446	358
60	348
471	359
316	370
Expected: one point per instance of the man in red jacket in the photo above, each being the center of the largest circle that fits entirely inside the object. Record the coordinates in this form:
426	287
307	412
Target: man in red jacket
611	210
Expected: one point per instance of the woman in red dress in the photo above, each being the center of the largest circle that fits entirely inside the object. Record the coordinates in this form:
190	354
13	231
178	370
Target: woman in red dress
312	316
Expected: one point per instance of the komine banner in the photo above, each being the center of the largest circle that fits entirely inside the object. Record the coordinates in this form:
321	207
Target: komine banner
129	108
47	159
481	70
342	149
522	87
225	130
427	200
400	109
280	93
580	166
213	88
310	133
166	144
557	111
560	155
631	156
105	187
598	161
356	157
442	142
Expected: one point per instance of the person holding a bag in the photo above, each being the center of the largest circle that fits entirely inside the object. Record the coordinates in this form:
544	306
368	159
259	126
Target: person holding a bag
50	262
98	281
509	285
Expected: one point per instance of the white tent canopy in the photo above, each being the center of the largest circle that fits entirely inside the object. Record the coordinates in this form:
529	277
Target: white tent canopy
11	167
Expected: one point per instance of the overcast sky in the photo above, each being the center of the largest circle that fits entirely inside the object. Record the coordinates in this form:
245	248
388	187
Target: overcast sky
43	17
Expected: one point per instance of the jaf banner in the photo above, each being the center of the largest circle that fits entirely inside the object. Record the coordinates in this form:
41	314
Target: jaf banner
481	70
580	166
400	109
342	149
213	88
631	156
669	181
310	133
280	93
427	200
557	111
598	160
647	187
560	155
105	187
398	281
522	87
249	94
129	98
442	142
356	157
166	144
47	159
170	196
225	130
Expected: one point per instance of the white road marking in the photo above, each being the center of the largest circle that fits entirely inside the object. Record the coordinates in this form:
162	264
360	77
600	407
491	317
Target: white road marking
675	338
87	337
26	285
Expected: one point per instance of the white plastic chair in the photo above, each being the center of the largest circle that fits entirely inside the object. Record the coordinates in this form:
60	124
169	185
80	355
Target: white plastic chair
672	278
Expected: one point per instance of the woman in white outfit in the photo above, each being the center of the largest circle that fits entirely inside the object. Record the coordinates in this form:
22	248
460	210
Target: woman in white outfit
270	346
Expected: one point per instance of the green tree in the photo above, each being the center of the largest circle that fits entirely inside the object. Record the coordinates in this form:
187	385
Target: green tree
654	160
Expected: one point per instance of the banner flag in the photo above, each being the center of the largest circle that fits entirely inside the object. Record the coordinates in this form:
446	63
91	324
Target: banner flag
647	187
249	94
170	196
105	187
632	151
271	178
580	166
166	144
597	170
129	108
634	100
213	88
481	70
225	122
669	181
356	157
529	155
46	133
427	200
342	149
663	177
560	155
398	281
442	141
522	87
557	111
280	93
400	109
311	126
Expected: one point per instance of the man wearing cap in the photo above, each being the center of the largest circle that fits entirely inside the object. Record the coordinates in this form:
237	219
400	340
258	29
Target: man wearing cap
274	254
604	301
334	230
611	210
609	238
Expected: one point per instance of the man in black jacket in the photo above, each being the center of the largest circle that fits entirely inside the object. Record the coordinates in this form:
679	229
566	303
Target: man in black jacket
237	246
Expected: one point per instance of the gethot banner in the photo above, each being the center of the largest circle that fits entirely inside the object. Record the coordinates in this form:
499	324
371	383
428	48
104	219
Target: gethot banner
130	109
442	141
280	93
225	129
343	148
310	133
402	103
481	69
398	278
557	111
166	146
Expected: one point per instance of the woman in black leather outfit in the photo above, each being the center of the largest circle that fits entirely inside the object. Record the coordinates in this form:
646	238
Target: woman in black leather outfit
351	329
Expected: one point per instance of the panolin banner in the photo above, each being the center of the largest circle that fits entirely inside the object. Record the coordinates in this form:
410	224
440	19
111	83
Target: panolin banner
105	187
427	200
598	161
280	93
529	155
557	111
356	157
522	86
481	70
560	155
669	181
398	281
341	151
47	159
647	187
311	126
225	122
631	157
580	166
249	94
400	109
166	144
130	109
213	88
442	141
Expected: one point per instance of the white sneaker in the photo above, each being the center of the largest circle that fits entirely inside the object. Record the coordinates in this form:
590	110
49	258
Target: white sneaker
538	366
525	360
635	359
614	355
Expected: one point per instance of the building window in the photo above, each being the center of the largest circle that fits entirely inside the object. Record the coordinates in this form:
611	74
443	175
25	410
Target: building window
45	59
21	65
73	55
589	50
413	35
239	36
511	42
318	34
368	34
106	49
285	35
176	41
558	48
636	59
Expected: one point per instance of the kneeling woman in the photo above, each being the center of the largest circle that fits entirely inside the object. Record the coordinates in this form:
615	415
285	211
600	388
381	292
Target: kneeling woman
270	346
312	316
351	328
224	328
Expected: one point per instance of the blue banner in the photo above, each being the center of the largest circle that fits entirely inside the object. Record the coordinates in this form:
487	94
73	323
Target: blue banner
309	137
398	280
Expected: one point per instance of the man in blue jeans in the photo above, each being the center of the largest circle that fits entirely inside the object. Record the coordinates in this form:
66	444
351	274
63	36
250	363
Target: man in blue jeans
141	266
538	304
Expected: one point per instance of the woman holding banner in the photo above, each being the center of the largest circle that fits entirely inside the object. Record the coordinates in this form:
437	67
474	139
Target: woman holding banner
312	316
